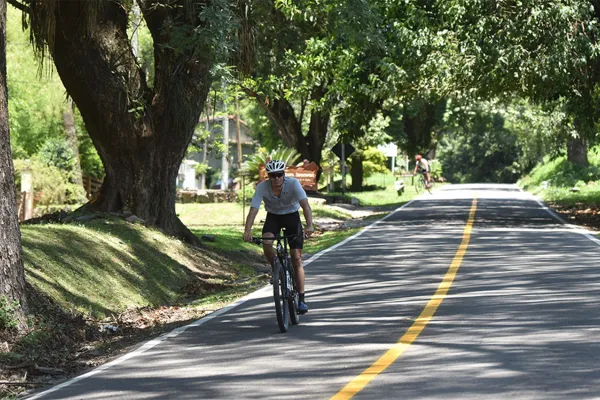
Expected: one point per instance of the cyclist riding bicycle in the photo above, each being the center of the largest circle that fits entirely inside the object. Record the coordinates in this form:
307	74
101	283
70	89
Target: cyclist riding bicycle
423	167
283	198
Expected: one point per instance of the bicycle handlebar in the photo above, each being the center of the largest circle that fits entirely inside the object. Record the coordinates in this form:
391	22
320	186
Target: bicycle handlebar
259	240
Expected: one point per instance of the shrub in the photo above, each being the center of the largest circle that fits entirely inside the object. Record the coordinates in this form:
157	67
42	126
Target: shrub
374	162
435	167
7	313
51	185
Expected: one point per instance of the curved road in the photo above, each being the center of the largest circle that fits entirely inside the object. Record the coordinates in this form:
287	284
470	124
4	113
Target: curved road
426	304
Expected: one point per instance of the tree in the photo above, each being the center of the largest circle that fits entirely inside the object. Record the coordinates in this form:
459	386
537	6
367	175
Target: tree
539	49
415	125
477	146
303	53
12	274
35	97
141	132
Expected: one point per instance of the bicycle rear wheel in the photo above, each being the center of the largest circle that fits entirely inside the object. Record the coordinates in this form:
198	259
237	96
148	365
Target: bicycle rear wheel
293	298
280	296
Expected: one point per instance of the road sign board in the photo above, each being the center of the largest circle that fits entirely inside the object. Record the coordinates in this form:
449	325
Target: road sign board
348	150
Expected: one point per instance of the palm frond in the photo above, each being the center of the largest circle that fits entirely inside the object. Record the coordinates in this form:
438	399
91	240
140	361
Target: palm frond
251	167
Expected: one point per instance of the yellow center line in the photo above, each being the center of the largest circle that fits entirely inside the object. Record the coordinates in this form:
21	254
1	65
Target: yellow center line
358	383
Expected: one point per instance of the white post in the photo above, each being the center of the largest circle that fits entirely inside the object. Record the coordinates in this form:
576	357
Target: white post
27	191
393	164
224	161
135	27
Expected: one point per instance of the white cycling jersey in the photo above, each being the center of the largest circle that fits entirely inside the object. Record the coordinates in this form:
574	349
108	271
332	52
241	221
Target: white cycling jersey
287	202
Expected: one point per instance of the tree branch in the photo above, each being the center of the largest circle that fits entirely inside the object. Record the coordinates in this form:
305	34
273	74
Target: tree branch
19	6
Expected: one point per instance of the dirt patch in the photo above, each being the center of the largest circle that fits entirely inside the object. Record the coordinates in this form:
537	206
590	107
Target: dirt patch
579	214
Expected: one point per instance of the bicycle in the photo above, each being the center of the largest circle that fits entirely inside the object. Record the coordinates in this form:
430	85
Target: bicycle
420	184
285	290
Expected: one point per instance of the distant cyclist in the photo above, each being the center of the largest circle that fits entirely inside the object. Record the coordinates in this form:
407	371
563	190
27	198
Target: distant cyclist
423	168
283	198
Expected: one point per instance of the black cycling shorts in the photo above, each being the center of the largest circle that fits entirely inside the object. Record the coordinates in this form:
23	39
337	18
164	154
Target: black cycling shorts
292	224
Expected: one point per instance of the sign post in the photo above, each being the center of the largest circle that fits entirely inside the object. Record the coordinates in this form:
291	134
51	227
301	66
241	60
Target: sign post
343	151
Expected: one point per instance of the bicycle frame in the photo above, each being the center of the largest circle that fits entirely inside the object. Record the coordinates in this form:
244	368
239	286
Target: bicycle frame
285	291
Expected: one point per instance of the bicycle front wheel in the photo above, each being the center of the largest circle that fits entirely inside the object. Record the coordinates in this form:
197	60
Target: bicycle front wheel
420	185
280	291
293	295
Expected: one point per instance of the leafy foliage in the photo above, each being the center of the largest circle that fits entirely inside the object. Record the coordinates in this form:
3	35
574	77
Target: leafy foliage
7	313
559	172
252	164
57	153
374	162
480	149
51	185
544	50
436	170
35	97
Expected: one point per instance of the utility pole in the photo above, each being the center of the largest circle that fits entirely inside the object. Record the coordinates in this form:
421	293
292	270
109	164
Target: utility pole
238	134
205	147
224	161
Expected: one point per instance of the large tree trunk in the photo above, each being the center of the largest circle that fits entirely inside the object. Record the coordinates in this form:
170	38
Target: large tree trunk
577	151
12	275
141	134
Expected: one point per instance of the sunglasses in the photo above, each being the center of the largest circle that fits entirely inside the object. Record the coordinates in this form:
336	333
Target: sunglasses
277	175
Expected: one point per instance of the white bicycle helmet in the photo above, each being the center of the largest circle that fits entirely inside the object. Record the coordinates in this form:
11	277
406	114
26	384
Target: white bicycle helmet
275	166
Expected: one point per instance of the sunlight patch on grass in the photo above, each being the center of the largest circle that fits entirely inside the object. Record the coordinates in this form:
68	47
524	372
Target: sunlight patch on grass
327	239
105	266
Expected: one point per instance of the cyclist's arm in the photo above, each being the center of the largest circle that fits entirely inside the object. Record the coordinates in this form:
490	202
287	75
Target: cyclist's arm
249	222
307	216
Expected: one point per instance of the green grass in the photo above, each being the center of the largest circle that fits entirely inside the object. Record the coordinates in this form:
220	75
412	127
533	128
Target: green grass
214	214
586	195
195	215
560	176
103	267
327	239
387	195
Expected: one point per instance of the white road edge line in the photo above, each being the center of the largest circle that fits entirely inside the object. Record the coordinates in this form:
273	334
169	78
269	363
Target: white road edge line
573	228
176	332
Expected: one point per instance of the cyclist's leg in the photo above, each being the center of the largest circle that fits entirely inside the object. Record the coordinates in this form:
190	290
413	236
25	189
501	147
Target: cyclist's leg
294	226
427	179
270	229
296	255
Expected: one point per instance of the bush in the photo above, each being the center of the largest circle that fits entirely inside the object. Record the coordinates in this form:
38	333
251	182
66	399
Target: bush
7	313
51	185
57	153
435	169
247	192
374	162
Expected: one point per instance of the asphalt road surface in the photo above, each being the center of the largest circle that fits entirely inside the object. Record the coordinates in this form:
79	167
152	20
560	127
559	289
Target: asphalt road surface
426	304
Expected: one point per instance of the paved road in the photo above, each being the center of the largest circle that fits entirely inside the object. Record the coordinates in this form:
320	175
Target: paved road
521	318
